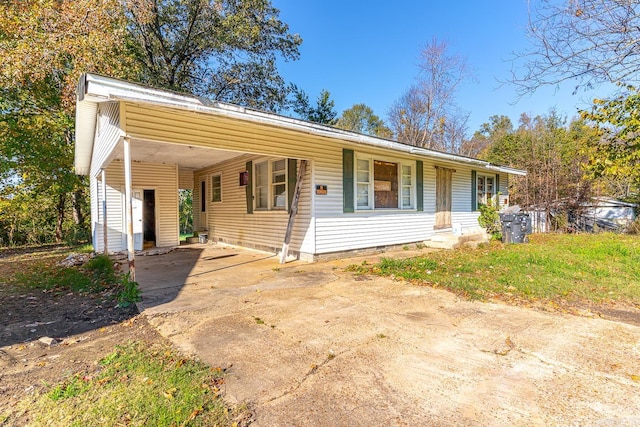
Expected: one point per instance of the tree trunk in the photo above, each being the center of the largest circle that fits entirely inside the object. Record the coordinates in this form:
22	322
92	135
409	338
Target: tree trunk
78	215
60	217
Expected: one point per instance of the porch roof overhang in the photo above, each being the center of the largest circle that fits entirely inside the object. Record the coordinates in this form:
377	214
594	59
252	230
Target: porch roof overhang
94	89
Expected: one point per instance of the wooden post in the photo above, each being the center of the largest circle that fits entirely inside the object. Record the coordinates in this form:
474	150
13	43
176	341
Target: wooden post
129	209
293	211
105	227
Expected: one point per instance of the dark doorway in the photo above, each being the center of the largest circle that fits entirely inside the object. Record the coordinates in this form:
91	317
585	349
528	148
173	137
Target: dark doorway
149	219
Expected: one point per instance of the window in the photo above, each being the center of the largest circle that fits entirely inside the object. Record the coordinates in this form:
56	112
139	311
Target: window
270	189
384	185
216	188
203	196
485	189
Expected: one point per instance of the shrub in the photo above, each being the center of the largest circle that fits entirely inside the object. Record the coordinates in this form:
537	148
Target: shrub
489	219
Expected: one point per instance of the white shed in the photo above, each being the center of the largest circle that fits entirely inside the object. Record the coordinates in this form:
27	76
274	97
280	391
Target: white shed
140	145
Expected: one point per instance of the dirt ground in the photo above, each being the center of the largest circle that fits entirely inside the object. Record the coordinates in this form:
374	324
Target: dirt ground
313	345
85	329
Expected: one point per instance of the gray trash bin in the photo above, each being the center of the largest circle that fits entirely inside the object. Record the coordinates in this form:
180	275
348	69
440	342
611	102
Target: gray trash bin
515	227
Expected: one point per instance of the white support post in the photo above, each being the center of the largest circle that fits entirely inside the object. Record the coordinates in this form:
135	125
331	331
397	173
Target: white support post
293	211
129	209
105	227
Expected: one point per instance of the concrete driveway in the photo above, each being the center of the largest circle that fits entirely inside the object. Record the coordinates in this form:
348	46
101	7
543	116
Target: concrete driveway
313	345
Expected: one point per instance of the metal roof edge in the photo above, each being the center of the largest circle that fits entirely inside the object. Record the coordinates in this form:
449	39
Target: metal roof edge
95	88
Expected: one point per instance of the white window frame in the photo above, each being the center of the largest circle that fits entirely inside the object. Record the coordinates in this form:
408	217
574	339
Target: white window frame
371	192
218	175
482	200
271	184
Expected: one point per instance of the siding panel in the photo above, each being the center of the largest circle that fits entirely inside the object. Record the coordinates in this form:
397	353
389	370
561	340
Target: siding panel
161	178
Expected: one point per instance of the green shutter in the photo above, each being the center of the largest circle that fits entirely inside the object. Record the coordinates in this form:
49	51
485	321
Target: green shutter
419	185
292	174
347	180
474	193
249	188
497	190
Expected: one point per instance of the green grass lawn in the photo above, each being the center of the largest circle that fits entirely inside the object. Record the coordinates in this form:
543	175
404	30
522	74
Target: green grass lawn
589	267
138	384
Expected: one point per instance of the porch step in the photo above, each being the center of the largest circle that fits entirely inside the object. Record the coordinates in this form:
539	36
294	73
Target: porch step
449	240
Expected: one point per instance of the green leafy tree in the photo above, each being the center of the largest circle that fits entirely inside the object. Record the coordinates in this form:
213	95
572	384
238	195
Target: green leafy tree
225	50
44	47
551	152
323	112
614	155
361	118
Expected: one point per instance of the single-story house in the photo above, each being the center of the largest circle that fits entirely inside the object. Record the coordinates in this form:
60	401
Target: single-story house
140	145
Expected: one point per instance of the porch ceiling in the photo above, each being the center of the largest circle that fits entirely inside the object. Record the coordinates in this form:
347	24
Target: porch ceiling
185	156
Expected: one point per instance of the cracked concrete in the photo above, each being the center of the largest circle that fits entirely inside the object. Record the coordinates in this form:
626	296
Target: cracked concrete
312	345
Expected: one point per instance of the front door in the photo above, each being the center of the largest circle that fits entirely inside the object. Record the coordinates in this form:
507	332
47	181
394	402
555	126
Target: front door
137	208
443	198
203	205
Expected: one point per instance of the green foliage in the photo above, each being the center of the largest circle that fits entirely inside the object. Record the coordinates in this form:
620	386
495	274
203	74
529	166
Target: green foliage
361	118
138	384
323	112
222	50
72	387
597	268
615	155
129	292
551	152
97	274
47	277
185	208
489	219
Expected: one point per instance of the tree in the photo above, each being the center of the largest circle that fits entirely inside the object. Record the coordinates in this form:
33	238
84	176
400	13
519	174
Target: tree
44	46
498	128
361	118
585	41
552	155
427	115
225	50
323	112
614	156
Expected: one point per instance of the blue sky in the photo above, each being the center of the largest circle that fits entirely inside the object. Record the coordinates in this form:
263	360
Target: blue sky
367	52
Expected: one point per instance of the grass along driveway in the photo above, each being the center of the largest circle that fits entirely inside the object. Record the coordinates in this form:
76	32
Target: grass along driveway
592	268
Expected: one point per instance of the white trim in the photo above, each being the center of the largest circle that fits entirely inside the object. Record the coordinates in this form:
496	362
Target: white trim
371	158
93	89
211	176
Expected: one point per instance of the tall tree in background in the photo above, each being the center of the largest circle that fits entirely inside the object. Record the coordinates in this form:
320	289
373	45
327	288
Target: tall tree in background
324	112
584	41
44	46
553	155
427	114
361	118
224	50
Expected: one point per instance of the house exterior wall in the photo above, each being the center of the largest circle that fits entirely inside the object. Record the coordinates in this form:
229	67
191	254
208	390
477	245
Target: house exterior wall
328	229
145	176
228	220
108	134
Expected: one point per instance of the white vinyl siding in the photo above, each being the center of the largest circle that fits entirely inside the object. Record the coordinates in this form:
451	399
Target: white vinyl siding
161	178
216	188
108	135
185	179
321	226
229	221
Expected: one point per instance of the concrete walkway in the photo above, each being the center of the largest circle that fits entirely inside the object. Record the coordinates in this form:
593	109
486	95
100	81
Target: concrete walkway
313	345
